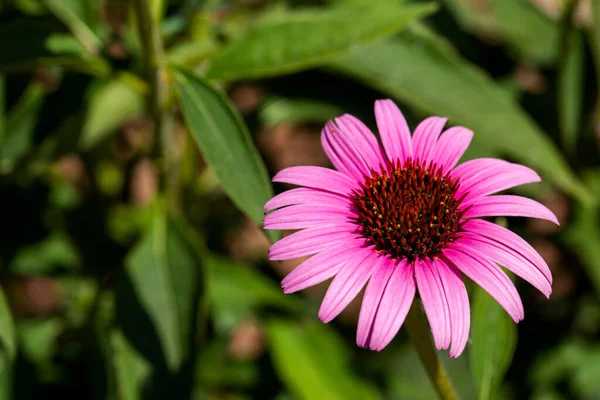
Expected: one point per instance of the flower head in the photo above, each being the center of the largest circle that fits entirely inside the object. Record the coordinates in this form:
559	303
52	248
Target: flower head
401	218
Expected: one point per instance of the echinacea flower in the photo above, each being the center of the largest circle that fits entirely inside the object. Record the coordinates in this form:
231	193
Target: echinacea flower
401	218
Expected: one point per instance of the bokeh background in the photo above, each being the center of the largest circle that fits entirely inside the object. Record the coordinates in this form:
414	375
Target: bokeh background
137	142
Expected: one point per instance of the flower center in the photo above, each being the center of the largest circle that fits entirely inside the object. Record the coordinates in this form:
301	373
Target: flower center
410	211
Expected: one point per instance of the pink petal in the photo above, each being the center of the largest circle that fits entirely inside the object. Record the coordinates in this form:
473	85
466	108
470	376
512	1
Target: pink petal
348	283
306	216
494	180
311	241
510	206
489	276
518	265
393	130
469	171
304	196
434	302
395	303
458	305
425	137
451	146
509	240
320	267
372	300
317	178
344	157
363	140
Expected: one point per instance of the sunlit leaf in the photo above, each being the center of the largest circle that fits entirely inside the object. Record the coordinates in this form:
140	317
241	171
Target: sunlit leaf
165	272
226	145
81	16
438	82
311	361
307	39
131	369
111	105
493	343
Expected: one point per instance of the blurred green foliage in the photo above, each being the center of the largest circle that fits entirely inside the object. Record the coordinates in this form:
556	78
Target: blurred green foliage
137	141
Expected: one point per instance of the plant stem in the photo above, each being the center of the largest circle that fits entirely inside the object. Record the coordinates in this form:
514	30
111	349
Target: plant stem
158	96
420	335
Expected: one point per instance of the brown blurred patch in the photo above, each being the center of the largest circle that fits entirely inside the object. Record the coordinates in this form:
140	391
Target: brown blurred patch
144	182
248	243
247	341
34	296
563	282
71	168
287	145
135	136
559	205
530	79
246	97
117	50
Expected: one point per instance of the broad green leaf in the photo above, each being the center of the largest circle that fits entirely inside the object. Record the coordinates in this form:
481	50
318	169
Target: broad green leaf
303	40
583	233
570	89
165	272
493	343
81	16
437	82
310	359
531	34
111	105
131	369
226	145
237	289
279	110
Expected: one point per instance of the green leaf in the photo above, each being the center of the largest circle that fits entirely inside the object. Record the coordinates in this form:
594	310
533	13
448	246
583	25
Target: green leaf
311	361
8	345
165	274
27	44
570	89
81	16
237	289
583	232
279	110
435	81
131	369
111	105
53	252
528	32
17	137
494	339
225	144
307	39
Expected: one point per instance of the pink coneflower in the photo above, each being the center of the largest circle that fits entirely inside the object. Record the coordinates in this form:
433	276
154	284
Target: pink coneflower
403	218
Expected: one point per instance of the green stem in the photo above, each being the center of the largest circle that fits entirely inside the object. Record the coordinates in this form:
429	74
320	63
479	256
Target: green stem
420	335
158	96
